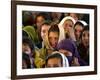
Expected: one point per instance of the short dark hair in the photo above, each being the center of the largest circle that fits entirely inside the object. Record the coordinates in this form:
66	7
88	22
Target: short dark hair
56	55
78	23
27	18
46	22
86	28
54	28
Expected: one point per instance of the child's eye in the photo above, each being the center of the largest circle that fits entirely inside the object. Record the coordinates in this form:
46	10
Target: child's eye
43	31
70	25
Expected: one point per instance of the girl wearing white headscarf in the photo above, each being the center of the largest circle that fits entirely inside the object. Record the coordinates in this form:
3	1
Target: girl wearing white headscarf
78	27
68	24
56	56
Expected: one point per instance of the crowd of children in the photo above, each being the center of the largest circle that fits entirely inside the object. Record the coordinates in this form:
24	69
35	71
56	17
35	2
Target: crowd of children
53	39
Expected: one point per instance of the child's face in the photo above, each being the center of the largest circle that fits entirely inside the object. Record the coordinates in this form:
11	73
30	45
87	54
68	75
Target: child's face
39	21
54	62
55	15
53	39
85	38
26	48
44	31
68	24
73	15
78	30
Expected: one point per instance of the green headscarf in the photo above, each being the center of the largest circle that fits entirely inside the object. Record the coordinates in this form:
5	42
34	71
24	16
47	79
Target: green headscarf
32	34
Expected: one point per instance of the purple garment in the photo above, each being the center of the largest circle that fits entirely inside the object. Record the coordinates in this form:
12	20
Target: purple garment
68	44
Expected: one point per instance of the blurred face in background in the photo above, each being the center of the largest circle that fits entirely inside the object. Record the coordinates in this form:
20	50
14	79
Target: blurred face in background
56	16
39	21
85	38
44	31
78	30
53	39
74	15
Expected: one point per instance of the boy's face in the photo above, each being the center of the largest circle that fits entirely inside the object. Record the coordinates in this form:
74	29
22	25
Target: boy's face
44	31
53	39
78	30
54	62
85	38
26	48
68	24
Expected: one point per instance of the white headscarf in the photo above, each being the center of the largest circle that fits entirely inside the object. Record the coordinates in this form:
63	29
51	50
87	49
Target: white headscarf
64	59
83	22
72	36
66	18
62	33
